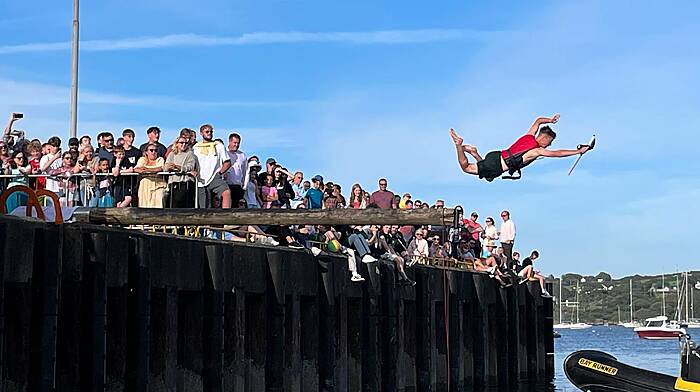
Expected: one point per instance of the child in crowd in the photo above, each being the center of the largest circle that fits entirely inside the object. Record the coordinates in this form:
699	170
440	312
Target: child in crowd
123	185
268	192
103	193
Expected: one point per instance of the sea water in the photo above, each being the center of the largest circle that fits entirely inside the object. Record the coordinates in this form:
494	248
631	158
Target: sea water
660	356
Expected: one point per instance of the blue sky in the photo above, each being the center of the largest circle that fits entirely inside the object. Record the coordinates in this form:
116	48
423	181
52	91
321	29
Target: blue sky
361	90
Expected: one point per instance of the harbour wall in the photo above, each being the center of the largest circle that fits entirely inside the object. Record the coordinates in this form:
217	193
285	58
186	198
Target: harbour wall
88	308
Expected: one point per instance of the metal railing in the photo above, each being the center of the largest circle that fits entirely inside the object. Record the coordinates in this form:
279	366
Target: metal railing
78	189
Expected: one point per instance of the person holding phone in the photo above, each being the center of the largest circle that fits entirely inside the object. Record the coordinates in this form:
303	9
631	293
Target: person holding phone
7	137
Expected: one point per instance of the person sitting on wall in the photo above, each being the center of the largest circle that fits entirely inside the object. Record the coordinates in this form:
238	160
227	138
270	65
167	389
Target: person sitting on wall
527	272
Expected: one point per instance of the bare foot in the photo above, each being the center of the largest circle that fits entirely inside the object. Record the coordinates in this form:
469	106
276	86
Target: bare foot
455	138
469	149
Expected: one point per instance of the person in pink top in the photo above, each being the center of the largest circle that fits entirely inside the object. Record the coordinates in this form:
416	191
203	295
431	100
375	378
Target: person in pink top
524	151
268	192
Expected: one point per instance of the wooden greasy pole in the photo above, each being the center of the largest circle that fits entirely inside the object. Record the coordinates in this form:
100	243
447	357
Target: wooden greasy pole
217	216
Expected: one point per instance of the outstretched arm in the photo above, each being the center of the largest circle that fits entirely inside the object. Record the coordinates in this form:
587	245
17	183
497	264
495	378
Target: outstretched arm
540	121
563	153
8	128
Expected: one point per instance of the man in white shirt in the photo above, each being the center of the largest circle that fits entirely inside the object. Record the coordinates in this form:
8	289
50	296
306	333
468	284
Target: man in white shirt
507	237
50	161
239	165
213	163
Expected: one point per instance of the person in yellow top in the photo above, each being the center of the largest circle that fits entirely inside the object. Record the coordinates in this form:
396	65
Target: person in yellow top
151	186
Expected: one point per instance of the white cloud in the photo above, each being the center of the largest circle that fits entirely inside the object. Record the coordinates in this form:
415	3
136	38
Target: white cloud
21	93
258	38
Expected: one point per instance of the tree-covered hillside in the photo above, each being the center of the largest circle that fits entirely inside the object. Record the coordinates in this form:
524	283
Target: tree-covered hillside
601	295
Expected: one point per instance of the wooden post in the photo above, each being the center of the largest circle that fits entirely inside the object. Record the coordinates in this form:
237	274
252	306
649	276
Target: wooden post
138	328
549	333
213	323
94	311
424	329
45	286
276	278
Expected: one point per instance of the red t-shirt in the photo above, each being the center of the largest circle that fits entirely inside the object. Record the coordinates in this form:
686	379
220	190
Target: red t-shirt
473	225
382	199
525	143
41	181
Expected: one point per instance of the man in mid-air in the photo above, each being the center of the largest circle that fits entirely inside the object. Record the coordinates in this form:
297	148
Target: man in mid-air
524	151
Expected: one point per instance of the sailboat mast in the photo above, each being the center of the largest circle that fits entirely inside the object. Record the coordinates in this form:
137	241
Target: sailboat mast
619	320
685	285
631	318
577	302
678	299
663	295
560	283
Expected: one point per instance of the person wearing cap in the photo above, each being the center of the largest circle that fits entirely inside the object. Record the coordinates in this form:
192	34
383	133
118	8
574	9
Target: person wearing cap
239	166
153	134
474	231
213	164
73	145
314	196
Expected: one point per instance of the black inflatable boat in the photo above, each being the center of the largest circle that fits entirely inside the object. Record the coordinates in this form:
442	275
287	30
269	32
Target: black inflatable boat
597	371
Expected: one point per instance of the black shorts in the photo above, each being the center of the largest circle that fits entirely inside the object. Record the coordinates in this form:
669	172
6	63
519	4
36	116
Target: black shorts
490	167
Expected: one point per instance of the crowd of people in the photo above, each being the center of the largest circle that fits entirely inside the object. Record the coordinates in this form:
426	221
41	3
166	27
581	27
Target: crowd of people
206	172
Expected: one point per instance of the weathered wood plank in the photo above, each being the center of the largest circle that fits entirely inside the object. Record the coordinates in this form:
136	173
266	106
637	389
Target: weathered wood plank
203	217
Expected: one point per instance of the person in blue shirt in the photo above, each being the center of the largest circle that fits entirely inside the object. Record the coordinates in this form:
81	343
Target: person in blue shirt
314	196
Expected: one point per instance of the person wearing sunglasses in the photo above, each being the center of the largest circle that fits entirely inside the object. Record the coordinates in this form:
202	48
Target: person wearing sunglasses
507	237
67	184
183	186
383	198
490	233
19	168
106	151
151	185
153	134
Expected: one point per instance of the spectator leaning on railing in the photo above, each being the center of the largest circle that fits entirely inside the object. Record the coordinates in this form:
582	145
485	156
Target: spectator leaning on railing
123	187
183	185
151	186
153	134
52	161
